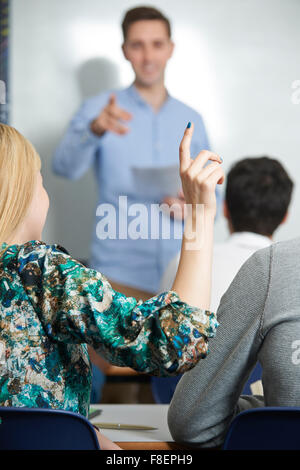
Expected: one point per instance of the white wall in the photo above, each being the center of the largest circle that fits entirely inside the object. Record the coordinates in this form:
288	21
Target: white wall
235	62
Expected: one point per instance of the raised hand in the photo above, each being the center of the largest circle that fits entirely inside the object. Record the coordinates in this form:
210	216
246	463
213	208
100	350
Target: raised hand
199	183
111	119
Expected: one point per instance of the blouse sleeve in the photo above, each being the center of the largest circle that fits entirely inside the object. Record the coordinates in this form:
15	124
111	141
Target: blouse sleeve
162	336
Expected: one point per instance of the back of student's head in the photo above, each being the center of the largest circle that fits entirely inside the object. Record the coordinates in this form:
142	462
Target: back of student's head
258	194
19	163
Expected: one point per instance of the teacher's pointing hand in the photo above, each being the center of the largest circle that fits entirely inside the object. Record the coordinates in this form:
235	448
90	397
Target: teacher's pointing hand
111	119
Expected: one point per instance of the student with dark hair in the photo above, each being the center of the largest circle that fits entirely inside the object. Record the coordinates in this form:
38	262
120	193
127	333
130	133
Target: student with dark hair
257	197
258	314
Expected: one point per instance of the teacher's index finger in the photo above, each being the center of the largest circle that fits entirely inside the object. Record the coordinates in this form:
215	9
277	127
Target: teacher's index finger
184	148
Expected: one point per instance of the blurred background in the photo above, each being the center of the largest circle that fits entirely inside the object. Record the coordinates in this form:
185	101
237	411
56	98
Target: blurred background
235	62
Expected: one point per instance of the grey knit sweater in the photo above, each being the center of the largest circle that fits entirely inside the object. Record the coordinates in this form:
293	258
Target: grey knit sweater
259	318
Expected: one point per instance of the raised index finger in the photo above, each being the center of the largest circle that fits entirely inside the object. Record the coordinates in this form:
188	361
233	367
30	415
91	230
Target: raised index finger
184	148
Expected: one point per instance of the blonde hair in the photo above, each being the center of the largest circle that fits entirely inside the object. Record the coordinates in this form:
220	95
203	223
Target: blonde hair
19	163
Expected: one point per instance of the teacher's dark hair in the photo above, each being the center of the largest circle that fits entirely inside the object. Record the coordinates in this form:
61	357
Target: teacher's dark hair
258	194
143	13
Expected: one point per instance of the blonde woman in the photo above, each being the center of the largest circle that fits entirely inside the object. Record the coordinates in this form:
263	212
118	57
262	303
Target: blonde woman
52	306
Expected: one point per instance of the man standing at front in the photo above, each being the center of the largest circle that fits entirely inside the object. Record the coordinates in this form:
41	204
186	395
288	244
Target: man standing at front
120	130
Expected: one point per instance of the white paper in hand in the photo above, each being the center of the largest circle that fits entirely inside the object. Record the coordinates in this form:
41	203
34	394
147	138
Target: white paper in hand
157	182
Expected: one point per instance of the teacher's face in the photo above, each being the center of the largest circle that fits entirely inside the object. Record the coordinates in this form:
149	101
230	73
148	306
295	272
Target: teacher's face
148	48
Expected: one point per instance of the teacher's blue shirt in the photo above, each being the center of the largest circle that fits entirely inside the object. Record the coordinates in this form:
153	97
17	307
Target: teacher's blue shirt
152	141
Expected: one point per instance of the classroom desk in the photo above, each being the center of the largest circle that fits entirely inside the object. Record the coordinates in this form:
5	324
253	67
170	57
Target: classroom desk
149	415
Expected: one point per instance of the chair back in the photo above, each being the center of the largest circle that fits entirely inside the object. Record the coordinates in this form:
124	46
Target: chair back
45	429
163	388
271	428
255	375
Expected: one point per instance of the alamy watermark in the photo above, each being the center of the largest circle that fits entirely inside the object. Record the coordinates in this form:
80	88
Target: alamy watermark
150	222
2	92
296	353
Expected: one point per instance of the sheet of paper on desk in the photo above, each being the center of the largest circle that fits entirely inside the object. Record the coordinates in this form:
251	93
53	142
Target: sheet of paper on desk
153	415
157	181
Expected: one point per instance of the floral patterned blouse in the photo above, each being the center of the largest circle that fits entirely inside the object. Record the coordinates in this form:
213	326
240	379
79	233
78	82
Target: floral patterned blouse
52	307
